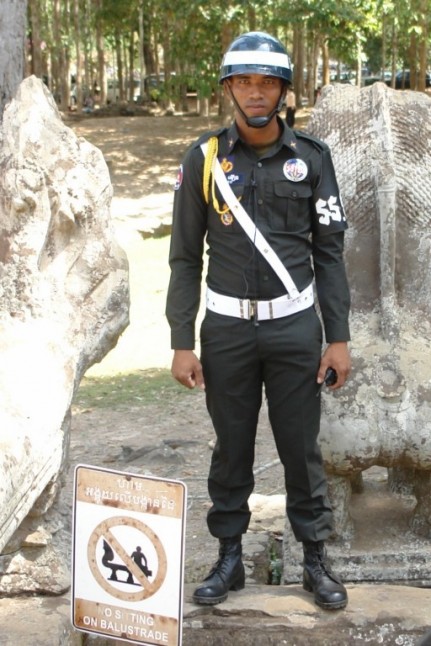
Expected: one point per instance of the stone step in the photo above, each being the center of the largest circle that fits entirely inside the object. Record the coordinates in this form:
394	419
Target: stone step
259	615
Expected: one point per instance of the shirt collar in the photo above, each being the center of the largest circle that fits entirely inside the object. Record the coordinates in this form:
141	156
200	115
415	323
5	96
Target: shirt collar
232	137
288	137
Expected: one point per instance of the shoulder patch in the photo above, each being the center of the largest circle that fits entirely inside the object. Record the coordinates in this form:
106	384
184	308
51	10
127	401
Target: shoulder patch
179	179
204	138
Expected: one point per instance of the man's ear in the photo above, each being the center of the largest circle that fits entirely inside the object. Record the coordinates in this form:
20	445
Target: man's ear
226	89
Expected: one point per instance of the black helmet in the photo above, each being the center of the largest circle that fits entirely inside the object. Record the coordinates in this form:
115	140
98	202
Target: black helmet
256	53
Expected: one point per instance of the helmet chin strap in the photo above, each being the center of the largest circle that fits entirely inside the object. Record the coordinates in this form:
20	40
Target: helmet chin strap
258	122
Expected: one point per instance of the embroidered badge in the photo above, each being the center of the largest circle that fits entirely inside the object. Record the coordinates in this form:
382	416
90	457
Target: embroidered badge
295	170
179	179
226	218
226	165
233	178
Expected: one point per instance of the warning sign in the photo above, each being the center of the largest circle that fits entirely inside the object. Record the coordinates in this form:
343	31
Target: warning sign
128	553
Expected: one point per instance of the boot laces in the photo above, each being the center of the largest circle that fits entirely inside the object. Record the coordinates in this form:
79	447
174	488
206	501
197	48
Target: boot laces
319	564
219	568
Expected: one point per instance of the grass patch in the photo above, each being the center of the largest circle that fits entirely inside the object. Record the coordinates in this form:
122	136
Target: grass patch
138	388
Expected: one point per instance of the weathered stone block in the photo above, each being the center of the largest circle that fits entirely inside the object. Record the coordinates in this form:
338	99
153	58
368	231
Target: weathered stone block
64	293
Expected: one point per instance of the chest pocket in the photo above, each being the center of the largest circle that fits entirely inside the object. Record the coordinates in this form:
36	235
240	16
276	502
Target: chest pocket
292	207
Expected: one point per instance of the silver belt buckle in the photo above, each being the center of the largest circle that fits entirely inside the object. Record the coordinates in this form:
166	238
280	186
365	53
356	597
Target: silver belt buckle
252	309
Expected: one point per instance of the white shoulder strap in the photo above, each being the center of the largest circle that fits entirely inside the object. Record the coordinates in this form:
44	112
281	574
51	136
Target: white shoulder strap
250	228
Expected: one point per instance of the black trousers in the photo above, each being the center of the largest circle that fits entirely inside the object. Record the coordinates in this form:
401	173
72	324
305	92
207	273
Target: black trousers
290	117
239	358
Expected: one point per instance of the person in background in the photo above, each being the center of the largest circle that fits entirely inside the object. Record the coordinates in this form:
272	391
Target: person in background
290	107
265	200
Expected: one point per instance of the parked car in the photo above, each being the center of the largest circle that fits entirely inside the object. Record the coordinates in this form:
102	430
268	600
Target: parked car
154	84
113	92
343	77
382	77
402	80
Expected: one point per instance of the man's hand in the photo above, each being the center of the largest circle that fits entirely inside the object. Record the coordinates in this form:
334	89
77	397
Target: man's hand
187	369
336	356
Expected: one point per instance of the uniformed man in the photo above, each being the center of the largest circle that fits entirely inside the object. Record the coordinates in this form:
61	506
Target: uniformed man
266	200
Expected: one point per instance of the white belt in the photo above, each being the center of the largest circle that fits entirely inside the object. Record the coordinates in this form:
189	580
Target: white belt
244	308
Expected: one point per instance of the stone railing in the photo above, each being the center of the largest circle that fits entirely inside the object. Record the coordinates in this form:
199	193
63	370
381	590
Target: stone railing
381	145
64	301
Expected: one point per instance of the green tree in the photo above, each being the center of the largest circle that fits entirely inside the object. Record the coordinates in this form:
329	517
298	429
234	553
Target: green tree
182	43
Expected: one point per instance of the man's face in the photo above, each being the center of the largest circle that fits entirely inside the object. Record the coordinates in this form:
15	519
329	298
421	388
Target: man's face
256	94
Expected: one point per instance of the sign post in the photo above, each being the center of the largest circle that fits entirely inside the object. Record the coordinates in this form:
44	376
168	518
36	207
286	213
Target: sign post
128	555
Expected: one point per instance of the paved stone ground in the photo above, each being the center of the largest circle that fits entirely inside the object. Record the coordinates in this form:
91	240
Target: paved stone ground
258	616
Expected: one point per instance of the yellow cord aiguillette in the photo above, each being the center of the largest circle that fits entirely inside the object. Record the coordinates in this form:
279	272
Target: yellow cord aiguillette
208	177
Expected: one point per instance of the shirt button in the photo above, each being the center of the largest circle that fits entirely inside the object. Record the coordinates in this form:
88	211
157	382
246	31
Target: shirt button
260	202
294	194
259	164
265	277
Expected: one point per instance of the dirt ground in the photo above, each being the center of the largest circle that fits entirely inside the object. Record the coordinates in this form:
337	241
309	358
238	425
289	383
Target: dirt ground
163	438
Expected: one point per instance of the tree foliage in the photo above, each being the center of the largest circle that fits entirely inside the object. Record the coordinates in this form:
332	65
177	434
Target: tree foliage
110	47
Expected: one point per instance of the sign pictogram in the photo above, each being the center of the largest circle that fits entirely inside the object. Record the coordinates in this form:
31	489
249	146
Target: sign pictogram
128	551
134	565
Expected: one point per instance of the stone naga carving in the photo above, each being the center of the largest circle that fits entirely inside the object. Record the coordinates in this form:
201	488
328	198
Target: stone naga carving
64	301
381	145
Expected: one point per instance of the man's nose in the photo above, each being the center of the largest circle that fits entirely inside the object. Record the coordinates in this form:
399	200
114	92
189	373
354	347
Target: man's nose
255	89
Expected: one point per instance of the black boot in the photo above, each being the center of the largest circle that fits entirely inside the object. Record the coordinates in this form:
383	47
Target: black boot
227	574
329	592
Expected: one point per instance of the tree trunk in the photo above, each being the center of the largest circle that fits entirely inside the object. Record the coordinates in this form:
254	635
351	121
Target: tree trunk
314	42
226	39
412	61
358	62
423	55
394	52
148	50
422	47
59	82
167	63
13	21
131	66
119	58
384	22
78	55
318	46
251	15
36	61
298	63
64	68
99	90
87	39
141	51
325	64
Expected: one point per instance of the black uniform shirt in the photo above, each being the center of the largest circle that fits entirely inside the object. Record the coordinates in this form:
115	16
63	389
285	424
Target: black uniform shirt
291	193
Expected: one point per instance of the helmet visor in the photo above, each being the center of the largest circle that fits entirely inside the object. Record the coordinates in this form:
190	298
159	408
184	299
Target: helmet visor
257	58
256	62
